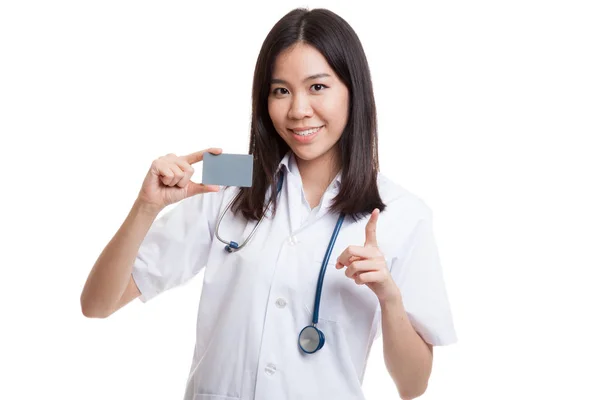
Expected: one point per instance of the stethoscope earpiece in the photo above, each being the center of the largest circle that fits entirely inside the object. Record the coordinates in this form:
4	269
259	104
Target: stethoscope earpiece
231	247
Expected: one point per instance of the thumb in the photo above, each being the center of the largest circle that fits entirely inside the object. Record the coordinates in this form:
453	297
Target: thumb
194	188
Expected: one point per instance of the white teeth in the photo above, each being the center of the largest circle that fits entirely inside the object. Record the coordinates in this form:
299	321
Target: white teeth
307	132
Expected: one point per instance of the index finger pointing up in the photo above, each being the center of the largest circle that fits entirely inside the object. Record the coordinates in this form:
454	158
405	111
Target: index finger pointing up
371	229
199	155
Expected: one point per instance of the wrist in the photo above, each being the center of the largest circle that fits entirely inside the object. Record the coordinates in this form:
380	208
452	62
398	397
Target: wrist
392	299
147	208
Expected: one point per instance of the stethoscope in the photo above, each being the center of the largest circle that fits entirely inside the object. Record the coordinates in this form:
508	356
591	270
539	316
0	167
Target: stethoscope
310	339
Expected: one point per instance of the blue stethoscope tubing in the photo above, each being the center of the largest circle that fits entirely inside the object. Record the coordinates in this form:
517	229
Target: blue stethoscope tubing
310	339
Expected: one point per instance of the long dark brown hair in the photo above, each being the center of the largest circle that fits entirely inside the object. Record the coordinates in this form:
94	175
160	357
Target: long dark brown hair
338	43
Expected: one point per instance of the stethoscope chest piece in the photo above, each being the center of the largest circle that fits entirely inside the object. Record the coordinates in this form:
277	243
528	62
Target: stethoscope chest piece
311	339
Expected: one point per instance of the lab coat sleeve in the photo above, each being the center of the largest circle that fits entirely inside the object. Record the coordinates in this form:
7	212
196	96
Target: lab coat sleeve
418	274
177	245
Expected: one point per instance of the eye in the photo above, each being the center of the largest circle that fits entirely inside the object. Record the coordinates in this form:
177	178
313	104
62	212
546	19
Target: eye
321	86
275	91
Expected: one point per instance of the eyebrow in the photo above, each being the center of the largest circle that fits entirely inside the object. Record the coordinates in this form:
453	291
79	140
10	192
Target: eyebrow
316	76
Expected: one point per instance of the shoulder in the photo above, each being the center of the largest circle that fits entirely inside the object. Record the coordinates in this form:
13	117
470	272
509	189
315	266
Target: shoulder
400	202
405	212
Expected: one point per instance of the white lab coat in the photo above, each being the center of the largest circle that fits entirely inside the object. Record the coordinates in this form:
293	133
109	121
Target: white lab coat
255	302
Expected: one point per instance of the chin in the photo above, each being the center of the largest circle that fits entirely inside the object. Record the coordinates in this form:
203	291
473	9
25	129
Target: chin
310	154
306	154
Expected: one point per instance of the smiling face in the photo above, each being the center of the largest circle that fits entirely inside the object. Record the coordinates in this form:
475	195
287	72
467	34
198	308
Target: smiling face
308	103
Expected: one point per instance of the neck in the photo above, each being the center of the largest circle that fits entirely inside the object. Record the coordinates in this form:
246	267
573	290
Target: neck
317	174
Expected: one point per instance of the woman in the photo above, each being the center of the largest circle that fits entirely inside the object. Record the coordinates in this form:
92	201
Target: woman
264	330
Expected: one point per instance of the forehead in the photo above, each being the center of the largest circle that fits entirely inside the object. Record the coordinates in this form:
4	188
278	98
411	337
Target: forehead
300	61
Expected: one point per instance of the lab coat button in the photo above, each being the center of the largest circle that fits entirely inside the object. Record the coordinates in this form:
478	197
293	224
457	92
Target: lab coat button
281	302
270	369
292	240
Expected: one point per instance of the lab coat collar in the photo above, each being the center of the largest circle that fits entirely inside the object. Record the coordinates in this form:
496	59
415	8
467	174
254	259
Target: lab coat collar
289	163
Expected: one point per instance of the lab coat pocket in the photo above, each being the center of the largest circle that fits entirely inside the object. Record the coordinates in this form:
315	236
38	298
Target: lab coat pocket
230	269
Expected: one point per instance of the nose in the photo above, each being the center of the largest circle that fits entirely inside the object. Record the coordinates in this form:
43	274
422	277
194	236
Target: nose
300	108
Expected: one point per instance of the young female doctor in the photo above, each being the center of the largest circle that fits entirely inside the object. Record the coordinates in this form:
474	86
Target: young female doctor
306	268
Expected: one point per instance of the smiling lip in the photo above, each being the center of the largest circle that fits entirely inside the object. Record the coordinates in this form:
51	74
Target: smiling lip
307	138
306	128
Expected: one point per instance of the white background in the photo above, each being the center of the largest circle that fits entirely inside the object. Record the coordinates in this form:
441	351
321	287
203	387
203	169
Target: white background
489	111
